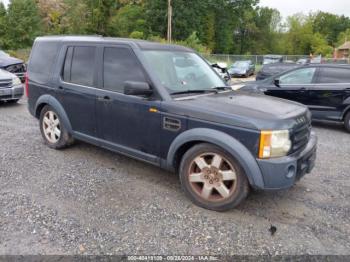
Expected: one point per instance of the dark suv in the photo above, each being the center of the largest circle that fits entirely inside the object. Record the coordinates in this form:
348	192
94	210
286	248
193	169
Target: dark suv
325	89
137	98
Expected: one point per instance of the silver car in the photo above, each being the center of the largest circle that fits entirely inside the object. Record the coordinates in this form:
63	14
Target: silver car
11	88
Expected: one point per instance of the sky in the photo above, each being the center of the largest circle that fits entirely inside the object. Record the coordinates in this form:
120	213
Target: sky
290	7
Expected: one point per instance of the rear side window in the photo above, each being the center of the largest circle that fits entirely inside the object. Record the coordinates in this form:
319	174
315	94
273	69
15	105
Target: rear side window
42	61
334	75
79	65
120	65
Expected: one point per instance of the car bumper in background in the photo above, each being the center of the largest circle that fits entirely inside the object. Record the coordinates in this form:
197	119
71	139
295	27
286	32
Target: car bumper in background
283	173
15	92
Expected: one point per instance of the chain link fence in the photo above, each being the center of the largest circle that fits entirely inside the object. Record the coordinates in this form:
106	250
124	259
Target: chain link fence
258	59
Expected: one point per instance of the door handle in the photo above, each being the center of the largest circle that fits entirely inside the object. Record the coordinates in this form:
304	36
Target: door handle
303	90
347	90
104	98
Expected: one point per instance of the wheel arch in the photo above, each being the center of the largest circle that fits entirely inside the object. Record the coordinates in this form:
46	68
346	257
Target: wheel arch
56	105
346	110
231	145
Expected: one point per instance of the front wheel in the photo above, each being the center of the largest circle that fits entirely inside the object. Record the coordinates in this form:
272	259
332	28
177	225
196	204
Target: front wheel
212	178
347	122
53	130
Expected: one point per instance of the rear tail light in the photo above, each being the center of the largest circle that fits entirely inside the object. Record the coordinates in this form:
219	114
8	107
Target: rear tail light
27	84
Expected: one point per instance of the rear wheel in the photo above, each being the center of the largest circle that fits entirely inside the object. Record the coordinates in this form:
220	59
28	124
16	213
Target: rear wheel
347	122
53	130
212	178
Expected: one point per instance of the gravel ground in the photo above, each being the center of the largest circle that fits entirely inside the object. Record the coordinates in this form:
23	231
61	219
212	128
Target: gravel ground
86	200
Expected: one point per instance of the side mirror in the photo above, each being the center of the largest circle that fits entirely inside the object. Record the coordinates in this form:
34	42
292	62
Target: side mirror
132	88
277	82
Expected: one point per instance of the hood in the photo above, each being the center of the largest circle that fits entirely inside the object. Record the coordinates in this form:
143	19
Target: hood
6	61
253	111
6	75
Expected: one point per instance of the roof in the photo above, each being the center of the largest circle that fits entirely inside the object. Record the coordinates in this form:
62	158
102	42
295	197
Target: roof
346	45
142	44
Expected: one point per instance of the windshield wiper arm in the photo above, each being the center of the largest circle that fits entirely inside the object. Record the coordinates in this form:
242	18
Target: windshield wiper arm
222	88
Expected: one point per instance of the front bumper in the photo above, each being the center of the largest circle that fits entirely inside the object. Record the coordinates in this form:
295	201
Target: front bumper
284	172
15	92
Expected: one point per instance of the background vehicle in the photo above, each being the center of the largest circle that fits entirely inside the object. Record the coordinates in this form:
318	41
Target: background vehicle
274	69
130	97
272	59
242	68
11	88
12	64
304	61
325	89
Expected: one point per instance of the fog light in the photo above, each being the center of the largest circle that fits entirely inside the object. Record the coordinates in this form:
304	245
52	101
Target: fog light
291	172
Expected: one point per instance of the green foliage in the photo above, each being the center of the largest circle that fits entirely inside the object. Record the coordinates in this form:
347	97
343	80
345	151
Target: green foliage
22	23
137	35
126	20
219	26
193	42
343	37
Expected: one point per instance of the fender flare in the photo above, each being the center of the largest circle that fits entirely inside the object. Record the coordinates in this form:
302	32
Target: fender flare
55	104
226	142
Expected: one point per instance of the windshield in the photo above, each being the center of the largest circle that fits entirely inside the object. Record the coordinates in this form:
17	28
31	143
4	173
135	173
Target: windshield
241	64
182	71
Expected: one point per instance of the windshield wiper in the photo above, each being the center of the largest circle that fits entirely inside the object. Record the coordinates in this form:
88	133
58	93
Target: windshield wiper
222	88
199	91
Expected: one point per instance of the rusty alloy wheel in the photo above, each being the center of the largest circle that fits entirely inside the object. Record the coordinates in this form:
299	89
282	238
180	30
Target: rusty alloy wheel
51	127
212	177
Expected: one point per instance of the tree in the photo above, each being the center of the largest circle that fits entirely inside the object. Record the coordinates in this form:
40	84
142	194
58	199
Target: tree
23	23
126	20
343	37
3	27
330	26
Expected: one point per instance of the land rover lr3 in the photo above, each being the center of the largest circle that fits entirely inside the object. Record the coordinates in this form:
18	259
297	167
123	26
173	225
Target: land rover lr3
165	105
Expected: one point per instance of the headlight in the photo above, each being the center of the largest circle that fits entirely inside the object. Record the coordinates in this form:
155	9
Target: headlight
16	81
274	144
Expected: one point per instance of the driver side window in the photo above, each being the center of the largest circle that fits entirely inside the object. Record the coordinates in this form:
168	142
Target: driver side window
300	76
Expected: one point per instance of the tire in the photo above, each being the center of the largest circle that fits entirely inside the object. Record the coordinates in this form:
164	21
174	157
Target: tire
214	186
347	122
53	130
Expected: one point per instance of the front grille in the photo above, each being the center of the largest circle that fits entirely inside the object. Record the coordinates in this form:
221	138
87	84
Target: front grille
18	69
300	137
5	83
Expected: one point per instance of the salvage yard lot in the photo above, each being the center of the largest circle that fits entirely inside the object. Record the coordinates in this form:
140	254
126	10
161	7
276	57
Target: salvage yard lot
88	200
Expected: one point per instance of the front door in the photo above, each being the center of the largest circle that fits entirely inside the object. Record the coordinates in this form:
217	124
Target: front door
130	124
294	85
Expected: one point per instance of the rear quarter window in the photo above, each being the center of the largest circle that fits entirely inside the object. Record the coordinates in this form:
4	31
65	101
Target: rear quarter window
42	61
334	76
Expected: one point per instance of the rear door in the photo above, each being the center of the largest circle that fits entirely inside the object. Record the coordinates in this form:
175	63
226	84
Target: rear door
76	88
130	124
293	85
330	94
